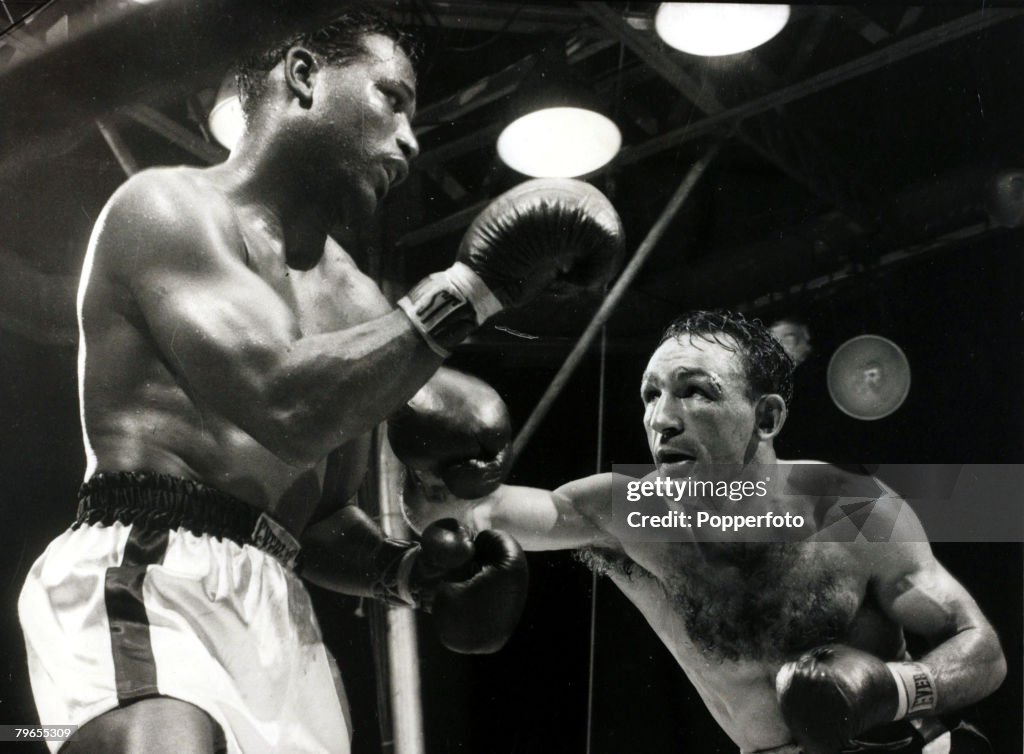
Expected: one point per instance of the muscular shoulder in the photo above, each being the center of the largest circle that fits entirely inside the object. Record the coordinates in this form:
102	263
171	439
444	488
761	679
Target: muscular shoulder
165	208
874	525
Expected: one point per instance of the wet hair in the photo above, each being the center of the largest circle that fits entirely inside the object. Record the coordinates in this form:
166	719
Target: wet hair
768	367
338	41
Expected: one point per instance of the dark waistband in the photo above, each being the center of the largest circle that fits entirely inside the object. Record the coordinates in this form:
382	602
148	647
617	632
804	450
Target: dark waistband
161	501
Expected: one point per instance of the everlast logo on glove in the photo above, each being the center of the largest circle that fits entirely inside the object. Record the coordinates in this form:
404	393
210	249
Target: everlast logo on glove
437	307
924	693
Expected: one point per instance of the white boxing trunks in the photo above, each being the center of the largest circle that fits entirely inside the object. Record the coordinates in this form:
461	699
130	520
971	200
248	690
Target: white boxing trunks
154	592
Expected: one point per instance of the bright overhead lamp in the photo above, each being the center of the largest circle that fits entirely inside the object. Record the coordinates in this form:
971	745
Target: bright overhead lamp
557	125
226	122
711	29
559	142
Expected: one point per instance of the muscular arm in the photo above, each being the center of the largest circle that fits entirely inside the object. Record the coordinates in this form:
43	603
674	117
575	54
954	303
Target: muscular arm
967	661
338	552
233	341
577	514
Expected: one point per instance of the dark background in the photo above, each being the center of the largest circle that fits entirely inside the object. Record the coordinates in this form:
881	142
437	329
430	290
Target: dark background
862	208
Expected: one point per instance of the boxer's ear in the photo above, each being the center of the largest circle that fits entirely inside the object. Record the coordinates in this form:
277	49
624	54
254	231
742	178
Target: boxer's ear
300	68
771	415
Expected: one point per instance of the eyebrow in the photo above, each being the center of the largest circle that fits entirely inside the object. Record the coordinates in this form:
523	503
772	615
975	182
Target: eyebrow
407	91
685	373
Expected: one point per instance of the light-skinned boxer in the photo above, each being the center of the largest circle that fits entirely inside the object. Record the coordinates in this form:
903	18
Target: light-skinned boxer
794	641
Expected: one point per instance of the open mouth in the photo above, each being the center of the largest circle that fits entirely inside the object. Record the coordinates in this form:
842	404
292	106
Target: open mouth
667	456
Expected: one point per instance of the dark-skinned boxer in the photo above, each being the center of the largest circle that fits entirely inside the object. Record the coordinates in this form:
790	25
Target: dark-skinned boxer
794	646
233	362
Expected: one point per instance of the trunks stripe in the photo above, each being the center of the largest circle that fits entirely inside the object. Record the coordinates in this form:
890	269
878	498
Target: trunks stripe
134	666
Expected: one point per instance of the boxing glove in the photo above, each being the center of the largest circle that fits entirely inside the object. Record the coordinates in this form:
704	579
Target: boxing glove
476	606
834	692
474	588
540	232
548	232
458	428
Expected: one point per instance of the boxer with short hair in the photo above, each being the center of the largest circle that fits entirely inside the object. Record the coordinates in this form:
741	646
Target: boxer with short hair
794	645
233	362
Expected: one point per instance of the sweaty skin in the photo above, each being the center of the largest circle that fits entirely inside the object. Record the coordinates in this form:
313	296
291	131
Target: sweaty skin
732	613
224	336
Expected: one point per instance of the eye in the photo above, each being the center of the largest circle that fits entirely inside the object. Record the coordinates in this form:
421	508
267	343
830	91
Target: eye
649	394
392	98
691	390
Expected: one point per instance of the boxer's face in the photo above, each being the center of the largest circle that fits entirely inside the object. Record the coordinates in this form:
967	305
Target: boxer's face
362	116
698	414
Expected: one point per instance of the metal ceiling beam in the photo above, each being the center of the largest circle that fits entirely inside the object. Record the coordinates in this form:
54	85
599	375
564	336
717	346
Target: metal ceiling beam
816	178
493	87
873	61
175	133
522	18
122	152
173	45
720	123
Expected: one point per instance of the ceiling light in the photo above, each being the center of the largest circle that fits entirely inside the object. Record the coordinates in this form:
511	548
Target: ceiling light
558	126
227	124
719	28
559	142
868	377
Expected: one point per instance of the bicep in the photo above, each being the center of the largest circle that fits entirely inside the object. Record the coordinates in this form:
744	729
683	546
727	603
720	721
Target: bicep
926	600
913	587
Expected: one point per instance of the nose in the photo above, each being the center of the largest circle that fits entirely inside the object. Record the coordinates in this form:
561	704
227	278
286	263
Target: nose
666	417
407	139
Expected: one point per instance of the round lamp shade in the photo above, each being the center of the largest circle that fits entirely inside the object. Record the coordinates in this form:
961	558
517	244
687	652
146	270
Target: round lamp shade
712	29
559	142
868	377
226	121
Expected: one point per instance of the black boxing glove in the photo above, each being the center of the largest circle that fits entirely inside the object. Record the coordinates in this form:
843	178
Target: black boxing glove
834	692
477	606
475	589
548	232
458	428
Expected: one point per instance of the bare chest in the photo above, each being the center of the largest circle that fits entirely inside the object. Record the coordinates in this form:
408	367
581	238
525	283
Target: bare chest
749	602
332	295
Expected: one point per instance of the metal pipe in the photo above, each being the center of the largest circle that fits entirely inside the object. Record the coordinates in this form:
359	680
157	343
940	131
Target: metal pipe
612	300
400	622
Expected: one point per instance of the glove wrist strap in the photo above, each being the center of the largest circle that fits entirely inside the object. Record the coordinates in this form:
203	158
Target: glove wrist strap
395	559
445	307
915	686
472	286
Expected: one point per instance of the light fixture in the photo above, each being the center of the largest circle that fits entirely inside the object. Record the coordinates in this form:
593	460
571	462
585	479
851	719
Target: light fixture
556	127
559	142
711	29
227	124
868	377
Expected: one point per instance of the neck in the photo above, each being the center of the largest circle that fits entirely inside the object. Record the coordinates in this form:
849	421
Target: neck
265	179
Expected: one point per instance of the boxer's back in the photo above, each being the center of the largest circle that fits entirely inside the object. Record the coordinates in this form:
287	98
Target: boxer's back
138	409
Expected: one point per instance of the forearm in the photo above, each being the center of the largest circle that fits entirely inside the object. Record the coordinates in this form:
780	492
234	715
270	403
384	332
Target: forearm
342	553
326	389
538	519
965	668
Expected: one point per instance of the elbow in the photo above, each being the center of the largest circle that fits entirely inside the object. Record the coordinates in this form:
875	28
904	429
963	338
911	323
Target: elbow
291	435
997	671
